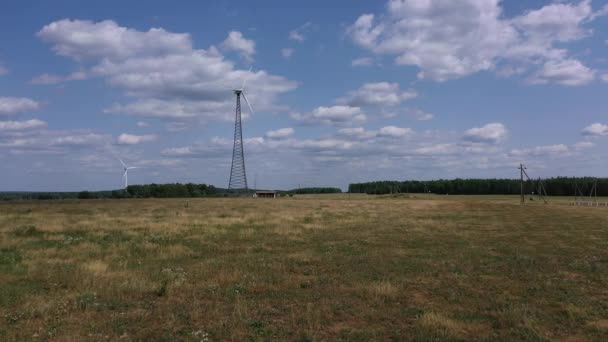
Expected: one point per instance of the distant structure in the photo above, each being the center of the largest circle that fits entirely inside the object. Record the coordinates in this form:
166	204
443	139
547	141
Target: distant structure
125	175
238	174
266	194
580	199
540	187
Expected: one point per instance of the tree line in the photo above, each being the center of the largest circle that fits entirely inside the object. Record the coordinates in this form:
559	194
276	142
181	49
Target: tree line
175	190
132	191
559	186
326	190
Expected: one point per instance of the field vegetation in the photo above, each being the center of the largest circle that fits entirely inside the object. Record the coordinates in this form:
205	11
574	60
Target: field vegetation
324	267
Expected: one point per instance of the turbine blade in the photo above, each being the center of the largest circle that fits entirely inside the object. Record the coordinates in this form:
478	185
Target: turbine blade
123	163
249	105
245	79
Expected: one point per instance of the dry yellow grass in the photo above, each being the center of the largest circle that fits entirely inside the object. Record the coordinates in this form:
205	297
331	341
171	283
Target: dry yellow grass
348	267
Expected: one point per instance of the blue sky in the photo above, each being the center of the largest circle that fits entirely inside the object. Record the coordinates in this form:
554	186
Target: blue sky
343	91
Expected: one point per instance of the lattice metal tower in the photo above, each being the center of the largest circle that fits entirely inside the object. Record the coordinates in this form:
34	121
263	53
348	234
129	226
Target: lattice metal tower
238	176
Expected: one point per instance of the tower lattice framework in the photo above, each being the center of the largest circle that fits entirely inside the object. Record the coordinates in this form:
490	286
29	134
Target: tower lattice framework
238	175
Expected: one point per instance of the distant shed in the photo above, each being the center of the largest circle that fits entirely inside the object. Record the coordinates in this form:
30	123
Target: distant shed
266	194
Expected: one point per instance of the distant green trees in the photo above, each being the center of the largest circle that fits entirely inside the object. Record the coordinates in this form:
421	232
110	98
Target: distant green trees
559	186
314	191
137	191
176	190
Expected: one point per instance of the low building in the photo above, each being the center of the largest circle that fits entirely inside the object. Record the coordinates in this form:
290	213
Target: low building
266	194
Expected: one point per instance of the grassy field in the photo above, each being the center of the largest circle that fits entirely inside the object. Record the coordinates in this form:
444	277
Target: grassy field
304	268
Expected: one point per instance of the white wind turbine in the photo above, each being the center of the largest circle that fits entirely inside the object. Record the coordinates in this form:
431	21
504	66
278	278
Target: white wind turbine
126	169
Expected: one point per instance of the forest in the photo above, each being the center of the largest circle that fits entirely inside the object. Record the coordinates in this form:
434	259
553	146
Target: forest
559	186
174	190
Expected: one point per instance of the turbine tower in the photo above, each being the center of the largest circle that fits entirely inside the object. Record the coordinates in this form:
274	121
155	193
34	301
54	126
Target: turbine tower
238	175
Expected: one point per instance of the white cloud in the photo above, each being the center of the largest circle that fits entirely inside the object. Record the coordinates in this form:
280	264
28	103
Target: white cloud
362	61
236	42
556	22
596	129
394	132
452	39
79	139
539	151
162	72
438	149
287	52
17	105
55	79
364	32
133	139
581	145
3	70
142	124
84	39
384	132
356	132
332	115
605	77
491	133
280	133
298	34
419	114
21	125
569	72
381	94
174	110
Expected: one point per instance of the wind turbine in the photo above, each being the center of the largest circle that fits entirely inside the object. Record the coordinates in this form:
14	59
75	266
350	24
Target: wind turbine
126	169
238	175
241	91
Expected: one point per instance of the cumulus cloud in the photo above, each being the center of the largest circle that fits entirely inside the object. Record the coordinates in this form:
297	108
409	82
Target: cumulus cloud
492	133
362	61
55	142
581	145
133	139
84	39
569	72
539	151
166	76
55	79
332	115
419	114
452	39
287	52
393	131
299	34
596	129
438	149
380	94
384	132
280	133
17	105
174	110
356	132
236	42
21	125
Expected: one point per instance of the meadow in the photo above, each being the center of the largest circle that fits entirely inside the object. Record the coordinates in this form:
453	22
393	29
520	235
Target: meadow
327	267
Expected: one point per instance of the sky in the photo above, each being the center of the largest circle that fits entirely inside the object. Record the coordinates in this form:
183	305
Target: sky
342	91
